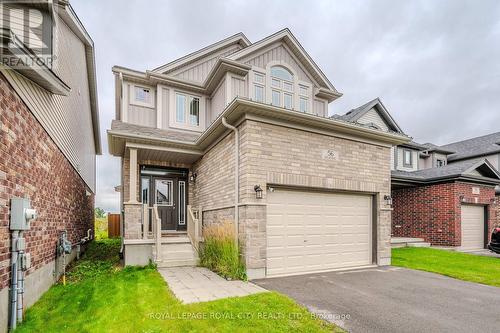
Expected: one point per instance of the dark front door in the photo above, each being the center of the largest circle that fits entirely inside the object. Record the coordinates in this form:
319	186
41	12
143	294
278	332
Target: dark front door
164	196
166	188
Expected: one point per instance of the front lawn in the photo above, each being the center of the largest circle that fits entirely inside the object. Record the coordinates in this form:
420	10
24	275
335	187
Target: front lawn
102	297
463	266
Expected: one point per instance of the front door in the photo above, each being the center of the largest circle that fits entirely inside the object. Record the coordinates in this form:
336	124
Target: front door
165	199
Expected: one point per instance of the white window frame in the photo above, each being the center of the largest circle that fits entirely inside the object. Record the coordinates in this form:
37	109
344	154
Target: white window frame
133	101
306	97
410	164
261	85
280	87
187	121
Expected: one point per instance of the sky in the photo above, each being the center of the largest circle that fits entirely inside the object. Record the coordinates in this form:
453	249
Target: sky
435	64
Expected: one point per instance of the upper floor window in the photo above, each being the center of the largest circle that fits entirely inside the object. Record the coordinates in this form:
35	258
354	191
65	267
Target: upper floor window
142	96
440	163
282	87
407	158
187	109
259	80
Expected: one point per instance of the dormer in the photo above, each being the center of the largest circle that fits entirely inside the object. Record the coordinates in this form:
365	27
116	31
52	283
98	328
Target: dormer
433	156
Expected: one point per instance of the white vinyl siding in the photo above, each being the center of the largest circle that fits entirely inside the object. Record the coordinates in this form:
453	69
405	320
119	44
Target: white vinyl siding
29	31
373	117
199	70
317	231
67	119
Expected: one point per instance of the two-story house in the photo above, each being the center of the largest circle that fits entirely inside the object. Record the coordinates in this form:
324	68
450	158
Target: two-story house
443	194
49	138
239	131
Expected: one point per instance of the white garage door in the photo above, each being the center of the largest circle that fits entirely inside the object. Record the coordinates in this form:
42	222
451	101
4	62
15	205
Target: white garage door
472	227
313	231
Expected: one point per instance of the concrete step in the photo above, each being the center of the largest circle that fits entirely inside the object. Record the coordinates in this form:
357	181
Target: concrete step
397	242
176	239
177	263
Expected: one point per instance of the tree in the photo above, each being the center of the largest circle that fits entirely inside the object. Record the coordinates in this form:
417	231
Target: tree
99	212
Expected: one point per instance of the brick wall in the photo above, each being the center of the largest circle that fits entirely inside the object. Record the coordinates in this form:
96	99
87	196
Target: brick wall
434	212
32	166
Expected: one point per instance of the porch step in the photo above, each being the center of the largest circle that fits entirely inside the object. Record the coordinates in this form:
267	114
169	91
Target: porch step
397	242
177	251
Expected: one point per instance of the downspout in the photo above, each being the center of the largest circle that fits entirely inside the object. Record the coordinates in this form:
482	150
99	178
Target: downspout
236	176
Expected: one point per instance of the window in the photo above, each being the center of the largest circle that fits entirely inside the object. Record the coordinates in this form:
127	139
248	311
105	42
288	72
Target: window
194	111
187	109
145	190
282	82
163	192
276	98
304	98
407	158
440	163
303	104
287	101
259	93
182	203
142	96
258	87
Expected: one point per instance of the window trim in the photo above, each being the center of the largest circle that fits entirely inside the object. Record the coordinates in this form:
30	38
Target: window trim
404	158
261	84
186	125
170	193
182	207
133	101
443	162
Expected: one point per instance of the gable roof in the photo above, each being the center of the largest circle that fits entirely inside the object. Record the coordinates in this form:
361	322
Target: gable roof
355	114
475	147
238	38
289	39
479	169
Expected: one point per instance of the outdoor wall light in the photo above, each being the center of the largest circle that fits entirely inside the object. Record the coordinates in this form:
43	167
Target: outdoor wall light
192	178
388	200
258	191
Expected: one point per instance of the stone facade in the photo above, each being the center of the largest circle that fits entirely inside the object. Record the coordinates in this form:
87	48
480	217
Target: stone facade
32	166
434	212
282	156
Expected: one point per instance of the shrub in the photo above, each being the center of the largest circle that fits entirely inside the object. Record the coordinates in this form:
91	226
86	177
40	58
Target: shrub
220	252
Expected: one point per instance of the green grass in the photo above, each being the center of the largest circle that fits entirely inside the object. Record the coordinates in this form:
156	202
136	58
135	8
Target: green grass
136	299
467	267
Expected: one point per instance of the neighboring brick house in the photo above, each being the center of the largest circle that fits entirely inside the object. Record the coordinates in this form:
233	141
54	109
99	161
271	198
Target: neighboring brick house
49	137
239	132
443	194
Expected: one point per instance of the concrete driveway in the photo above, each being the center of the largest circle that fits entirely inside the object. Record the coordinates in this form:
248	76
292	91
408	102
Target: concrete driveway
394	299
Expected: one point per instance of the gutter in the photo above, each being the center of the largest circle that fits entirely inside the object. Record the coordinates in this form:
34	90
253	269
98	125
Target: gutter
481	180
236	176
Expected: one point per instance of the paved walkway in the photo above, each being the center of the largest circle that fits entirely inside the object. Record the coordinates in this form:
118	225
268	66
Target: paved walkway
198	284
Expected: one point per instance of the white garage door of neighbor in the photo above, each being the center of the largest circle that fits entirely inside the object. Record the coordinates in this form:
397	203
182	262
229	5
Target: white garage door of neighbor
472	227
317	231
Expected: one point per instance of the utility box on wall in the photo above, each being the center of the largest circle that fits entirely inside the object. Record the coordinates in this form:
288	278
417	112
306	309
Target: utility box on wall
21	214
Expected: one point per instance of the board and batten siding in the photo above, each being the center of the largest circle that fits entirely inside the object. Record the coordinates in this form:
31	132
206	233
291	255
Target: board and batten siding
373	117
67	119
199	70
320	107
218	102
277	53
238	87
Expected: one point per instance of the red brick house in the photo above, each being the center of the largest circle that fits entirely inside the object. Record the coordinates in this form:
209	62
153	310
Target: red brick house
443	194
49	139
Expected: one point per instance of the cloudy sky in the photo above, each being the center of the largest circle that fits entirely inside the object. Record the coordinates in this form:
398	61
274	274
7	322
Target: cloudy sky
435	64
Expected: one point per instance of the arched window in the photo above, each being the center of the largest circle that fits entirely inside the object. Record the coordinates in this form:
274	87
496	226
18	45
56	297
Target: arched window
282	85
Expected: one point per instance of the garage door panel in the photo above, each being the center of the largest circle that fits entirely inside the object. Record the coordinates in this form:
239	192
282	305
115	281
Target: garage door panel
336	228
472	227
